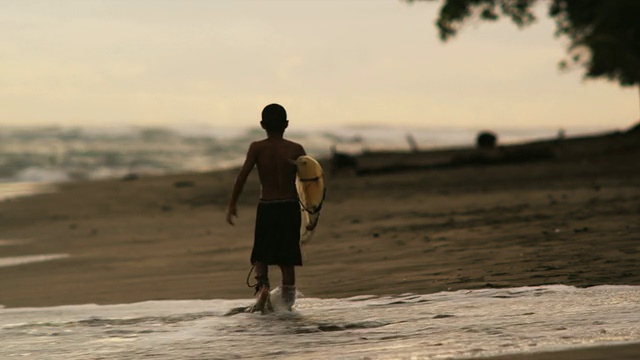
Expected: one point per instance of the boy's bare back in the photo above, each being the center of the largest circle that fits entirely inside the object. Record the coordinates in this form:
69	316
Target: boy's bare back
273	158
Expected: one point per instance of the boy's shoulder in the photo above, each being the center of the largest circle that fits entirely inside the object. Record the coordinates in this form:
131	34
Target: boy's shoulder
269	142
292	143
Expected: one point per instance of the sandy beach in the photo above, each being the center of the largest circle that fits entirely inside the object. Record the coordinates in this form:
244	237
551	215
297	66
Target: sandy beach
568	221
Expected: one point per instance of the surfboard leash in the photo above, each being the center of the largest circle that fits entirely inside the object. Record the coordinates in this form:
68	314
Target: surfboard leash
260	280
253	266
318	208
310	179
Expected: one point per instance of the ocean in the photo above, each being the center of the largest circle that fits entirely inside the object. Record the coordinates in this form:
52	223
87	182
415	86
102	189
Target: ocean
447	325
58	154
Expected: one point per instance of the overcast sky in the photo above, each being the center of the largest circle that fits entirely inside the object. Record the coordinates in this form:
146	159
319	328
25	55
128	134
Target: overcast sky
329	62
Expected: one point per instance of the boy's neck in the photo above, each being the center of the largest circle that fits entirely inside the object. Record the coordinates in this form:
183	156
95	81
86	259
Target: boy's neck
273	135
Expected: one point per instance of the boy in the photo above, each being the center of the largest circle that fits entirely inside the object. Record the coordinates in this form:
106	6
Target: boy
278	217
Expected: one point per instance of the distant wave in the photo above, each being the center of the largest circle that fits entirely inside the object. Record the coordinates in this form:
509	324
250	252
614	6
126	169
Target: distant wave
58	154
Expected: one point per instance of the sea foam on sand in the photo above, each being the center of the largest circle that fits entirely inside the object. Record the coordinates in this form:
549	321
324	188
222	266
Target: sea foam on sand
460	324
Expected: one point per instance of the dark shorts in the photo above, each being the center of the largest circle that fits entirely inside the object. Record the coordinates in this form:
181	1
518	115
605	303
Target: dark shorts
277	233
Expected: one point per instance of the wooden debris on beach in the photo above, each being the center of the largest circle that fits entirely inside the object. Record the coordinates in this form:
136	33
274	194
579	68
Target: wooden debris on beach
486	152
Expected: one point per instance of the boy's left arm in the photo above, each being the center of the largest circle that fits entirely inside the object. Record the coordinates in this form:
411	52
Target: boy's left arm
248	165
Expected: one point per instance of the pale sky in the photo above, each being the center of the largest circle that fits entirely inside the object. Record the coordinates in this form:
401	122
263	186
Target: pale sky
329	62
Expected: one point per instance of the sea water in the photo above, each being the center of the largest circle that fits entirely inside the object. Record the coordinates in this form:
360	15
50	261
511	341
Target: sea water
58	154
459	325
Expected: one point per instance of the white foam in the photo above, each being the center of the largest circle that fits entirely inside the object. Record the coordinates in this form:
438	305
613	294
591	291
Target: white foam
460	324
28	259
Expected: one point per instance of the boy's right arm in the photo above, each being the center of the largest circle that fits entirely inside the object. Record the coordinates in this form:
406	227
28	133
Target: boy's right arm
248	165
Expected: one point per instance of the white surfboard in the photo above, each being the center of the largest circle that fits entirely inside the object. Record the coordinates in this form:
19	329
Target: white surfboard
311	190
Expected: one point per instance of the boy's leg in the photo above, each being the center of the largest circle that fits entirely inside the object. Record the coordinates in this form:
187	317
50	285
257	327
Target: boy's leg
262	275
288	275
262	288
288	285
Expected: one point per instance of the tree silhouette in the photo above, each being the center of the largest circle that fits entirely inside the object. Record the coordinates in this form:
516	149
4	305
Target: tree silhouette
604	34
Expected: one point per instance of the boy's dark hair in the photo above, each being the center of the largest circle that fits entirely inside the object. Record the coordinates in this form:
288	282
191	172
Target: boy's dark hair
274	118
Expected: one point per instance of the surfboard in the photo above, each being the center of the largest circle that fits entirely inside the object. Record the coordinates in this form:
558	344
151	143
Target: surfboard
311	190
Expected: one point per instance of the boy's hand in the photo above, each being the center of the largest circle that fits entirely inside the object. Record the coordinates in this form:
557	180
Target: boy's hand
231	213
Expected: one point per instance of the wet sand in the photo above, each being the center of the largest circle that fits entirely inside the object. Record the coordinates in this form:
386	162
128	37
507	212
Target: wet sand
551	222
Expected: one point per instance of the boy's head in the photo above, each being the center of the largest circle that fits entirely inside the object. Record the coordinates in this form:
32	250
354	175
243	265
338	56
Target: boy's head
274	118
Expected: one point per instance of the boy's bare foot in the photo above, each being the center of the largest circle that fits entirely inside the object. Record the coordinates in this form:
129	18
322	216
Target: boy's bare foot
263	303
288	296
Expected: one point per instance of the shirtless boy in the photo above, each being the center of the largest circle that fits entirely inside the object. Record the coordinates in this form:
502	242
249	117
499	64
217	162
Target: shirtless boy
277	229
